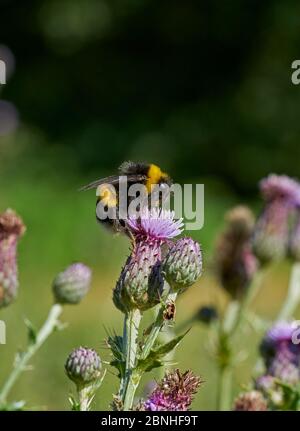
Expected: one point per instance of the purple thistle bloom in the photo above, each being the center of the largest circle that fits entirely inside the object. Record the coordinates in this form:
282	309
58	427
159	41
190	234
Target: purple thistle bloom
155	225
280	187
11	229
271	234
281	331
281	355
174	393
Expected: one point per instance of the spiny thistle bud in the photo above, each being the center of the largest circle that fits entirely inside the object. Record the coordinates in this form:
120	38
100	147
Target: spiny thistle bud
174	393
252	401
140	284
271	234
71	285
11	229
235	264
83	366
183	264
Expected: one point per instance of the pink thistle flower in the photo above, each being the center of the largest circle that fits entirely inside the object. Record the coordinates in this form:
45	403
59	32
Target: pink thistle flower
174	393
280	187
155	225
271	233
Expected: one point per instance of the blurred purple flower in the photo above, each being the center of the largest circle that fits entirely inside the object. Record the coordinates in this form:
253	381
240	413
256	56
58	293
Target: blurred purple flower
271	233
250	401
11	229
280	187
281	355
235	263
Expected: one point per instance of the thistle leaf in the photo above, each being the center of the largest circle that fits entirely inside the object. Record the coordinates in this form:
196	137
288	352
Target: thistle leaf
31	331
155	357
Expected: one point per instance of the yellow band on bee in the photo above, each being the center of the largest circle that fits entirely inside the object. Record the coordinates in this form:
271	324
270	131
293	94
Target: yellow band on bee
154	176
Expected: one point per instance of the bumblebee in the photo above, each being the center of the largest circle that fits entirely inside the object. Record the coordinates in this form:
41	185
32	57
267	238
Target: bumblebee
108	196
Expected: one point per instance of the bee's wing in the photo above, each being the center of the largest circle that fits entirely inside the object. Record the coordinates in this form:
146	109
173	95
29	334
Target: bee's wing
114	180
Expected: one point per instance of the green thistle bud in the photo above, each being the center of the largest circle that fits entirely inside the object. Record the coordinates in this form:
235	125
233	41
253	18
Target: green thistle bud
140	284
83	366
71	285
183	264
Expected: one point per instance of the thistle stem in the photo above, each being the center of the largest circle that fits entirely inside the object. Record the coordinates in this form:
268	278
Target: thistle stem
232	323
130	338
46	330
293	295
156	327
225	388
84	399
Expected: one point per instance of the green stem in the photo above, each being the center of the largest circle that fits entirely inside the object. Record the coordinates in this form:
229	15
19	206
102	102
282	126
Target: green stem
246	301
130	339
232	323
41	337
293	296
225	388
84	399
156	327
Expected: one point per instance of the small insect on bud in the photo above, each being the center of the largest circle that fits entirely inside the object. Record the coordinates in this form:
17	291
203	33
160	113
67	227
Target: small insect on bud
252	401
83	366
11	229
140	284
183	264
71	285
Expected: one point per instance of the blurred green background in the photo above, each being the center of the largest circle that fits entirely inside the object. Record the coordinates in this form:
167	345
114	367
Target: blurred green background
201	88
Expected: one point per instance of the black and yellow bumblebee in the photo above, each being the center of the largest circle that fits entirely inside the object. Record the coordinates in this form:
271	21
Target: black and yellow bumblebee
147	174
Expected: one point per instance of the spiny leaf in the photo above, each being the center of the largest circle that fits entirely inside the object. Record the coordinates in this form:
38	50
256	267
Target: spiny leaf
115	343
154	359
120	366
